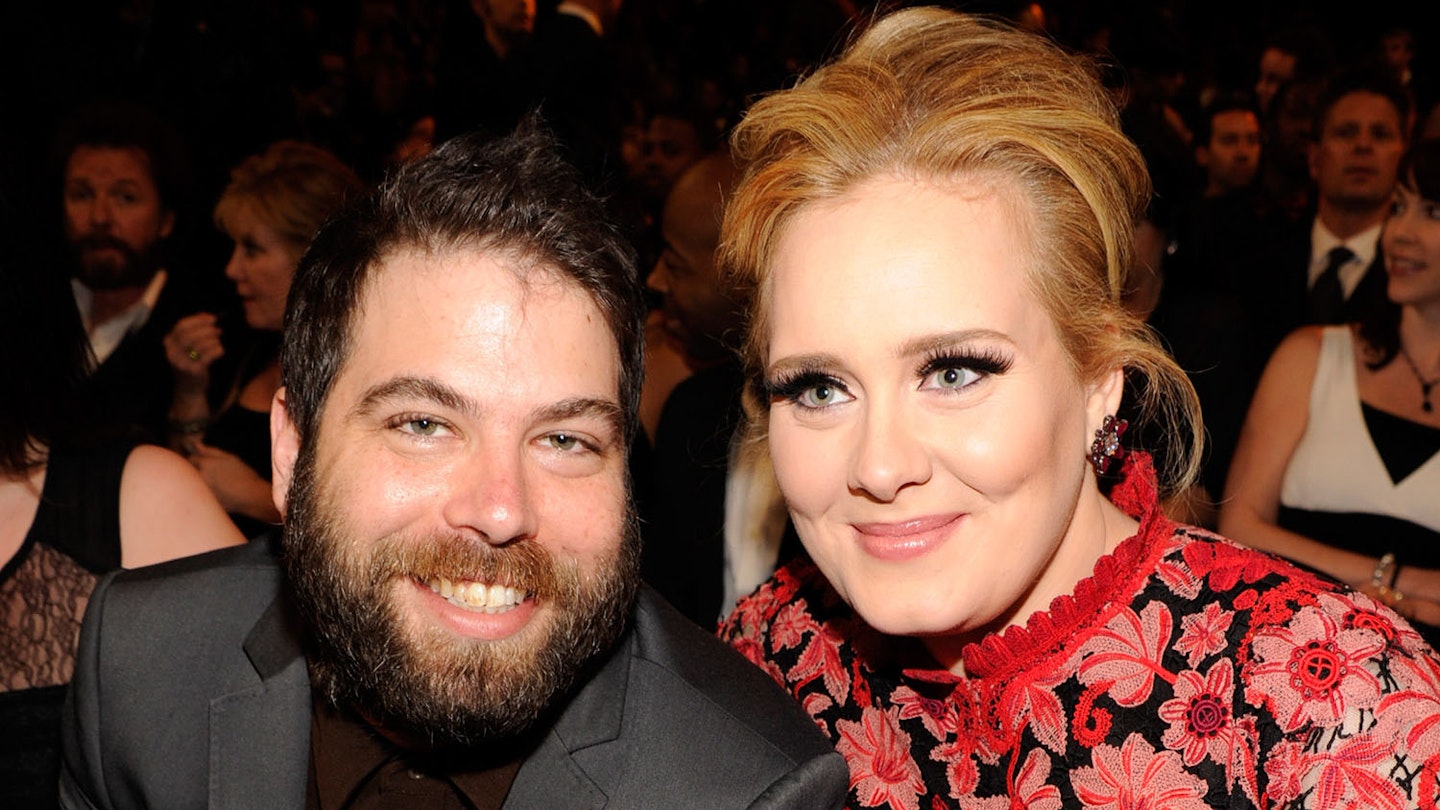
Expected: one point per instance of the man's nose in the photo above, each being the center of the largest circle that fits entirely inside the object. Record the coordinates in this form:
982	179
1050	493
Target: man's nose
490	495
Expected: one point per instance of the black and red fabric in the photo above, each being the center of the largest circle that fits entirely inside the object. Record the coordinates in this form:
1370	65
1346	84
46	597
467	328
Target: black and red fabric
1186	672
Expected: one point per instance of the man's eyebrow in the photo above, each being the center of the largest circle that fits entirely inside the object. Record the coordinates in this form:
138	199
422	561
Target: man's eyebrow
422	388
431	390
583	407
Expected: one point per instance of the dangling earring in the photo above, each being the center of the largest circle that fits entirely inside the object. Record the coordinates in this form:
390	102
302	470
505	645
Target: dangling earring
1106	446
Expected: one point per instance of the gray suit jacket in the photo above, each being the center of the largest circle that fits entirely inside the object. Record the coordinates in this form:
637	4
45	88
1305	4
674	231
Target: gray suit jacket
191	690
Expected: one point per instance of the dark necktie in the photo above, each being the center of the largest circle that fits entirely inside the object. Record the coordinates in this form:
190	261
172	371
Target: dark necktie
1327	297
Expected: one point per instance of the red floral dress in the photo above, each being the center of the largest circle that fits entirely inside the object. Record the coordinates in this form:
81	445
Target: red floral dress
1187	672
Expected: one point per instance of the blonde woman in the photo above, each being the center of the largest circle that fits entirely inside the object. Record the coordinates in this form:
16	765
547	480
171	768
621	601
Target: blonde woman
271	209
934	233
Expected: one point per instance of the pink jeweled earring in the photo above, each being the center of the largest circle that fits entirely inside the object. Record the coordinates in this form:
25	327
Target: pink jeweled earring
1106	446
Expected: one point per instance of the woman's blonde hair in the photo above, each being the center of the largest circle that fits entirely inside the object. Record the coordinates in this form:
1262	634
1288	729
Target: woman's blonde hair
292	187
961	100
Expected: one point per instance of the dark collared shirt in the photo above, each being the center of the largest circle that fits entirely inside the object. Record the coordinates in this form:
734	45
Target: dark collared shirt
353	768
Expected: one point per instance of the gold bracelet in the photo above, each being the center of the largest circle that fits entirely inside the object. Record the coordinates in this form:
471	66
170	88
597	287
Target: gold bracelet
1382	567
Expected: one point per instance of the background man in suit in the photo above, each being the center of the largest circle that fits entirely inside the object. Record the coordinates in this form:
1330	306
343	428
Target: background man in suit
1361	131
462	371
123	175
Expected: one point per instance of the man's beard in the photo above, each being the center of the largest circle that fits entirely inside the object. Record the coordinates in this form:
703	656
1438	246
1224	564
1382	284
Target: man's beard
437	690
132	268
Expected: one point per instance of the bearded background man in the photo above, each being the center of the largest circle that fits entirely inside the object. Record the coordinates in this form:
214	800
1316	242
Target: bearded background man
123	175
459	621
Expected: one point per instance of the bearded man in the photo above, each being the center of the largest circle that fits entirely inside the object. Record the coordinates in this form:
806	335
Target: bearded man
457	619
123	174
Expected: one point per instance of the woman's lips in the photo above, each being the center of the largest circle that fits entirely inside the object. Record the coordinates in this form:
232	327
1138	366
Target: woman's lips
905	539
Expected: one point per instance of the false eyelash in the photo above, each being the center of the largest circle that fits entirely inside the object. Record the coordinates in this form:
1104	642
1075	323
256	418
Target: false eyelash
792	384
989	362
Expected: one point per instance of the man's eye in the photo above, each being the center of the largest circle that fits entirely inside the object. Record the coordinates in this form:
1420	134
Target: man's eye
567	442
422	426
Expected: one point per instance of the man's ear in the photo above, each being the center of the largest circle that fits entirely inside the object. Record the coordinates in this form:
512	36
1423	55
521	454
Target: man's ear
1312	157
1202	156
284	449
167	223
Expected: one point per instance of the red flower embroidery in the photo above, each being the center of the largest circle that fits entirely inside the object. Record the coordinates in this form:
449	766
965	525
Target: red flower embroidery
821	658
1360	612
882	771
1034	702
1203	634
1312	672
1413	714
961	772
1030	791
938	716
1199	714
1127	653
1227	565
790	626
1135	776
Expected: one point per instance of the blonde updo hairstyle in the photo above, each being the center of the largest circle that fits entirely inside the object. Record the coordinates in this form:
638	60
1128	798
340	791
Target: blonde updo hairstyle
291	187
973	104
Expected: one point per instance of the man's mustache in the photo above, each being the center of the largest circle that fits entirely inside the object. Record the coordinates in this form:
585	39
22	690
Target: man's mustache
101	241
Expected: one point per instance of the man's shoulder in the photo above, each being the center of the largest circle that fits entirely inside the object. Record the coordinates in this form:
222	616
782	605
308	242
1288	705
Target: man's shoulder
693	667
228	584
694	724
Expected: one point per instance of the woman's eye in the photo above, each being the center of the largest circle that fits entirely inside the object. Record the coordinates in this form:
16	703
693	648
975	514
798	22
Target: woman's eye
808	390
952	377
821	395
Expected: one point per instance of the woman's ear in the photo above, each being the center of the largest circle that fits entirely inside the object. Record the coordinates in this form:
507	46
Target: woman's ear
1104	398
284	449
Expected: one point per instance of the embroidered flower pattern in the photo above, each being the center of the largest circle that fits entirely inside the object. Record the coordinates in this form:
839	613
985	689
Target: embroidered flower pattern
882	773
1312	672
1188	672
1135	776
1199	714
1203	634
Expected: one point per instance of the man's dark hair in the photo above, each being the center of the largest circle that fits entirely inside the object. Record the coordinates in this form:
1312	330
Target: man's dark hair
1231	101
515	196
1364	79
1307	41
129	125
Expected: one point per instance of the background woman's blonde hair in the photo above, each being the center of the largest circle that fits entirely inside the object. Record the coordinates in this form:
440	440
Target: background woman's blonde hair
968	103
291	187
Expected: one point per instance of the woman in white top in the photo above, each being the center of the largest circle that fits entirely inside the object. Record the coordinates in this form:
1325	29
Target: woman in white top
1338	465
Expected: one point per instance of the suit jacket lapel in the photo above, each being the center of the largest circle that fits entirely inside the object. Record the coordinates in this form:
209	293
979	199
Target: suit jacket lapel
555	773
264	729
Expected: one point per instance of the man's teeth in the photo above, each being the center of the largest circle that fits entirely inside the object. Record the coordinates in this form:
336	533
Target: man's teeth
477	595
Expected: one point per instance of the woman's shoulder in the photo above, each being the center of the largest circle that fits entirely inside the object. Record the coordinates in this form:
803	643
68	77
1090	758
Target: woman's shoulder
1301	348
795	587
167	510
1289	612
